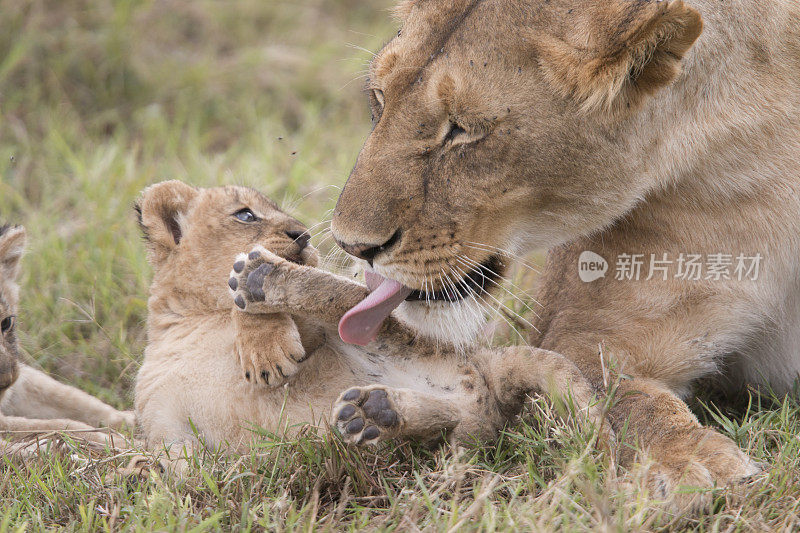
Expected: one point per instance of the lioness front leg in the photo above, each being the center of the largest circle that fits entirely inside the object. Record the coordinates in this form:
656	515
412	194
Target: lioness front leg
684	452
268	347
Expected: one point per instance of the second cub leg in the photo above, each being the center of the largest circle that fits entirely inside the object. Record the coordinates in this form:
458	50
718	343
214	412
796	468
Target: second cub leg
35	395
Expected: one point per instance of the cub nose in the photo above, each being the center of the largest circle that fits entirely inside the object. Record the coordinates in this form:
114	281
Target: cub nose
368	252
300	237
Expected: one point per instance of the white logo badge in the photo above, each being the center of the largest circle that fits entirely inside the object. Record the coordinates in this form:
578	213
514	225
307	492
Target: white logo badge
591	267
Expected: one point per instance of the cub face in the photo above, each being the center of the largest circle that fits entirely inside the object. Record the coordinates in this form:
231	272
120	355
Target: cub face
193	234
12	244
506	125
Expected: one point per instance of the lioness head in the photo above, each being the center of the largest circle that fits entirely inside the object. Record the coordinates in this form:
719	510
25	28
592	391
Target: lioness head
504	125
193	235
12	244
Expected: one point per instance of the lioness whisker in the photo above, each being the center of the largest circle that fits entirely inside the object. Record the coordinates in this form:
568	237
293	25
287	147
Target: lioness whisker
506	278
504	306
471	263
318	224
357	47
462	310
488	248
293	205
496	310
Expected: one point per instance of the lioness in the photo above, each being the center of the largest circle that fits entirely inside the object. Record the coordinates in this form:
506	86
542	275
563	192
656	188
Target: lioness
212	363
30	401
655	134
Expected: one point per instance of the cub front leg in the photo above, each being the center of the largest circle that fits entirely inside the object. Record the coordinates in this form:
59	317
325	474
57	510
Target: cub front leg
268	347
262	282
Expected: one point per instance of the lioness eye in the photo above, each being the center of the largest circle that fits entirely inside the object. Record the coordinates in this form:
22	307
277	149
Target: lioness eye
245	215
376	102
454	132
378	94
7	324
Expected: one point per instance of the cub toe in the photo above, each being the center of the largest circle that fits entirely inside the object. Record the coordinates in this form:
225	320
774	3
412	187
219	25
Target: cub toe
351	395
347	412
371	432
355	425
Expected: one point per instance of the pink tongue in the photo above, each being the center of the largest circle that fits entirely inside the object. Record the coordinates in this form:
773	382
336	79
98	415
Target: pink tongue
360	324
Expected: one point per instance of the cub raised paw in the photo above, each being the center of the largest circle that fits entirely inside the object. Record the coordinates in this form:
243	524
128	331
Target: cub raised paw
257	281
268	347
366	415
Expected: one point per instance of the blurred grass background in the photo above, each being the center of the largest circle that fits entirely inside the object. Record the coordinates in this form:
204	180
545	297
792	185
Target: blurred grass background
99	98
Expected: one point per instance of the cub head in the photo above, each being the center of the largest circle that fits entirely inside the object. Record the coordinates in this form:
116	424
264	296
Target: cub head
194	234
500	126
12	244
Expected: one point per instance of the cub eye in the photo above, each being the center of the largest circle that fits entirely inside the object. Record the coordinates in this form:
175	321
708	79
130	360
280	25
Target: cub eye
245	215
7	324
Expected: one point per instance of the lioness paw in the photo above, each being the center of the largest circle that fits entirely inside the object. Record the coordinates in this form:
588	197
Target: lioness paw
268	347
366	415
253	281
688	465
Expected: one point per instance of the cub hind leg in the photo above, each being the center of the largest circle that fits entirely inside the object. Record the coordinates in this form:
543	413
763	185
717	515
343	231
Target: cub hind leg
515	372
370	414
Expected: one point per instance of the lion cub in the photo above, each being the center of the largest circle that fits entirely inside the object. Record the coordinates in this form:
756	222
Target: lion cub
30	401
212	362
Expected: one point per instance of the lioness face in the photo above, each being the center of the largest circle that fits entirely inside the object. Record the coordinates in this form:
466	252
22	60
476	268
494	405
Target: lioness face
12	243
502	126
193	235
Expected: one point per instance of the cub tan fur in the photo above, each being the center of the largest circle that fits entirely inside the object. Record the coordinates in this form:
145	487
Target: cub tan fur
619	127
193	386
30	401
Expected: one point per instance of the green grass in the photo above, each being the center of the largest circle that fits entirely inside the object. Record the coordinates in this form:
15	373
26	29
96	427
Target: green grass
99	99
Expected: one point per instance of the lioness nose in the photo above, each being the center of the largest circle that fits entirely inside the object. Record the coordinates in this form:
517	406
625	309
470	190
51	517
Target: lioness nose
300	237
368	252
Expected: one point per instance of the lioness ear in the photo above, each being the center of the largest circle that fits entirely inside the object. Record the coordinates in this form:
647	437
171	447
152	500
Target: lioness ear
160	210
620	51
12	245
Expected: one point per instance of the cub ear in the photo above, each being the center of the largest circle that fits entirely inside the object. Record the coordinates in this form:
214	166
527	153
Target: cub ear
160	210
620	51
12	246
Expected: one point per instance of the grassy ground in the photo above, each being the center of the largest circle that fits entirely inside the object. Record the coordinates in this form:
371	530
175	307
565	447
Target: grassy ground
99	99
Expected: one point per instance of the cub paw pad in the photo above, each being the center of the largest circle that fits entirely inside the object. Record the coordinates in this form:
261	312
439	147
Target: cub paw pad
365	416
